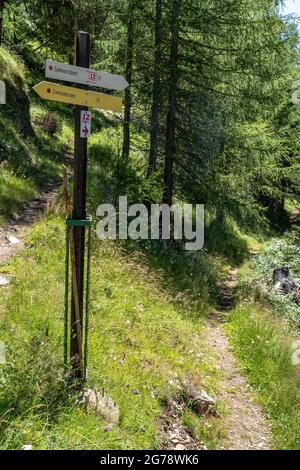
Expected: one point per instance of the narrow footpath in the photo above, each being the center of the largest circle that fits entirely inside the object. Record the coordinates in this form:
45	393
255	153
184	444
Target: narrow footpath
246	425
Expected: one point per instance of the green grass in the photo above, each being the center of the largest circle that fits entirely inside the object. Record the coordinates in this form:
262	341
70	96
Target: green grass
207	430
264	347
190	278
12	68
140	339
25	165
15	192
223	238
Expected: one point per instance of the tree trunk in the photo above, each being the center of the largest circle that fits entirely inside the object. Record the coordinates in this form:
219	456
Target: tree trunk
275	211
24	107
128	74
2	5
156	93
170	151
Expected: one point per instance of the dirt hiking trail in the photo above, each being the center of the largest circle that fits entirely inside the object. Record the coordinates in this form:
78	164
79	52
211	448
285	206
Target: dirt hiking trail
13	233
246	425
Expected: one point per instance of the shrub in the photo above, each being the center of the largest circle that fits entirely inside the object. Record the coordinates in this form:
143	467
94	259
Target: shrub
50	124
279	252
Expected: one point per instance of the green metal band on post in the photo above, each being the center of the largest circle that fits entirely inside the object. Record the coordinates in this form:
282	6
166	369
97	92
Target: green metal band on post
80	223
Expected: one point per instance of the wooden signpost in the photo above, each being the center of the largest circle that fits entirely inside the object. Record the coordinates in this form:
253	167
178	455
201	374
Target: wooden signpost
83	50
79	221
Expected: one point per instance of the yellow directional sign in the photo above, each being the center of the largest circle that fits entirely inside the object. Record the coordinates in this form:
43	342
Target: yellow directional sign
66	94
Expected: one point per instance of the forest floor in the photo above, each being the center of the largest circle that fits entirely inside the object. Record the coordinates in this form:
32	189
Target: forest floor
247	426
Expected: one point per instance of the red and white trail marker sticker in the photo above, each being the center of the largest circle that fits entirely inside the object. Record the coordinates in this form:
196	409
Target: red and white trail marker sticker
92	77
85	126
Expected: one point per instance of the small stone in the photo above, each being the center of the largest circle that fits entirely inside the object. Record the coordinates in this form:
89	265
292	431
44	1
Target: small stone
27	447
179	447
101	404
12	240
4	281
199	400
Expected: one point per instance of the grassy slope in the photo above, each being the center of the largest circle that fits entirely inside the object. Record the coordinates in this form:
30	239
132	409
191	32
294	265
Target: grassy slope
132	320
26	163
137	321
14	190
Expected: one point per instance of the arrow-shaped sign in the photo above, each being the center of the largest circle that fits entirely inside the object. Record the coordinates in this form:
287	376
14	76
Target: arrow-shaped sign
85	131
72	73
65	94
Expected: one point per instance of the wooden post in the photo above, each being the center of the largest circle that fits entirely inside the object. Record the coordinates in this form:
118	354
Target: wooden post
79	213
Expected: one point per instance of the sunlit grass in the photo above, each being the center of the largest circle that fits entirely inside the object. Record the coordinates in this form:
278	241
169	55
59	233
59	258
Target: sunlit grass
14	193
264	348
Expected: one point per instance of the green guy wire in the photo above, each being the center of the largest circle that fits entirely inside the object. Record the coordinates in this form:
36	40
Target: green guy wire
67	296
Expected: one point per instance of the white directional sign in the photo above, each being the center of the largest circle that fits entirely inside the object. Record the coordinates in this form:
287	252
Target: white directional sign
72	73
2	93
85	124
